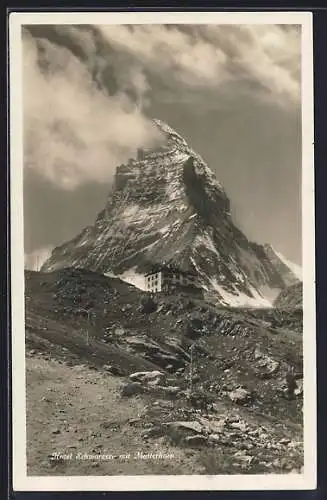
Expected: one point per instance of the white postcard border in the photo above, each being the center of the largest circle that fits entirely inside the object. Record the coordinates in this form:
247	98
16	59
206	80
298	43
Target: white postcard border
22	482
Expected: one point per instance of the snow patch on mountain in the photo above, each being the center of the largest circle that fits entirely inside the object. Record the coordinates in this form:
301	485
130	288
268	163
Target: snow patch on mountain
296	269
131	276
240	299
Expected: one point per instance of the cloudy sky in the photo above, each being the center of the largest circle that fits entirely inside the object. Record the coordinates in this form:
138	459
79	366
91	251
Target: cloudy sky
233	92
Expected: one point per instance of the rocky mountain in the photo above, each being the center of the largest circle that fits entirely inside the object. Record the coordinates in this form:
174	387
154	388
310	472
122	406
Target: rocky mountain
166	205
290	298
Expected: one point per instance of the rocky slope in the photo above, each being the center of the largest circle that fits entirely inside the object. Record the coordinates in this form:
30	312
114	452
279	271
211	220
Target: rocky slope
167	206
222	399
291	297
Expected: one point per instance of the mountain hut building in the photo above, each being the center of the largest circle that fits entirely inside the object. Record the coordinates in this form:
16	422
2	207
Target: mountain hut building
169	279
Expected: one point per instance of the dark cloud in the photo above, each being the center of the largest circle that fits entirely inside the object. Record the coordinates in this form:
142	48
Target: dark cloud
74	131
232	91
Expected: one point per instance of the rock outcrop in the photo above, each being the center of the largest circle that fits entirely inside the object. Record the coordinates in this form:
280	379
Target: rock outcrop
290	297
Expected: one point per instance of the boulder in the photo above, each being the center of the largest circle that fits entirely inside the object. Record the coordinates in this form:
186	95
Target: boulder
242	426
266	366
179	431
131	389
214	439
152	378
257	353
212	426
242	457
240	396
114	370
195	441
184	427
299	388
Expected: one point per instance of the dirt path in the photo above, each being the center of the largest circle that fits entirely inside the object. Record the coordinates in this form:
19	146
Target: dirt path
76	410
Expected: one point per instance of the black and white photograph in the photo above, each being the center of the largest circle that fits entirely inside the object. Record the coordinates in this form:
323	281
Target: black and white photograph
162	236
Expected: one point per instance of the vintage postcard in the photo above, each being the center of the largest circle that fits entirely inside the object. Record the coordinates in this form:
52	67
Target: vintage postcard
162	242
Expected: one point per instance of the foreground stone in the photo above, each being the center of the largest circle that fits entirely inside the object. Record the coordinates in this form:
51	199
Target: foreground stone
153	377
188	426
179	431
131	389
266	366
196	441
240	396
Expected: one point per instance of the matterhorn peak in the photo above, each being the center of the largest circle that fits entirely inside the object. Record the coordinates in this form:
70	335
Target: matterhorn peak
168	131
168	206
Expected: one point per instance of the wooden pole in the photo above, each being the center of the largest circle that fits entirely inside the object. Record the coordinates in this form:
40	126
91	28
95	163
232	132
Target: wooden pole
191	370
88	324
